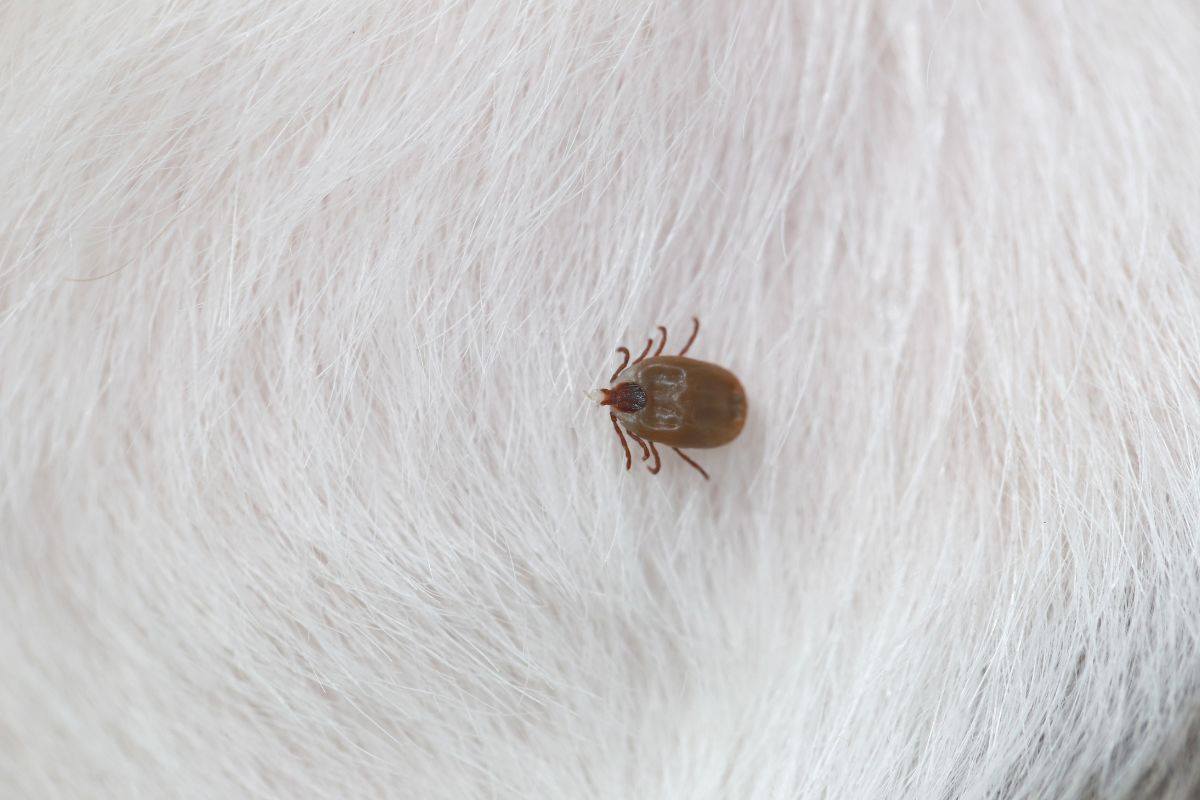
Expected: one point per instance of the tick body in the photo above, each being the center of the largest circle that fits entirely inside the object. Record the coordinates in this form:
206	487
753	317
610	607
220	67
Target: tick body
675	401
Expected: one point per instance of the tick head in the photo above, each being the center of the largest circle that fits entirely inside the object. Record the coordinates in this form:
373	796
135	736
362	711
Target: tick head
628	397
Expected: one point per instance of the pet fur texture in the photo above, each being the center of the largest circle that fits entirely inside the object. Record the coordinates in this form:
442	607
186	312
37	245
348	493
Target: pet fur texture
301	497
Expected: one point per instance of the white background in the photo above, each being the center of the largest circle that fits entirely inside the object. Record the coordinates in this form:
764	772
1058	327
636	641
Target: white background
300	495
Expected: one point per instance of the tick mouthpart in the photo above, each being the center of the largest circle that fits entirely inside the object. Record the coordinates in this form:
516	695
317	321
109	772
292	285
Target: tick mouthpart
599	396
628	397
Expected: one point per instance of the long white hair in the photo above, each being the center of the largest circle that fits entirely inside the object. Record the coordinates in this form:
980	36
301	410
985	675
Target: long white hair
301	495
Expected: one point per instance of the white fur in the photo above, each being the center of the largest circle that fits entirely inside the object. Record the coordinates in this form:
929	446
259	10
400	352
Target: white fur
302	496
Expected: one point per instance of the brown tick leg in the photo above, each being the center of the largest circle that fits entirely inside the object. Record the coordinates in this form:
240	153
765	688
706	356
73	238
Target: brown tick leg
693	463
649	344
695	330
621	436
657	461
641	441
624	364
661	344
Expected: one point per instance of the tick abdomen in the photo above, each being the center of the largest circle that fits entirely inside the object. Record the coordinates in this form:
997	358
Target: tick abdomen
689	403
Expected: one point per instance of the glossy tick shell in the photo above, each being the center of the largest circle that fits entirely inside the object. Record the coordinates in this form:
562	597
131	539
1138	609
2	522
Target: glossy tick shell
673	401
688	403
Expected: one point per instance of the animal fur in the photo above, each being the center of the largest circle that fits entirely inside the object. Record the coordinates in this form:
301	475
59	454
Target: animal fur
301	496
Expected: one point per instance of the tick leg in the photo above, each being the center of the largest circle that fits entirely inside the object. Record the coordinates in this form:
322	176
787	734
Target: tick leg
661	344
621	436
657	461
693	463
695	330
649	344
641	441
624	364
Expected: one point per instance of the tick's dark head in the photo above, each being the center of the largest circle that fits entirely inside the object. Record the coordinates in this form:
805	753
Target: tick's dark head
628	397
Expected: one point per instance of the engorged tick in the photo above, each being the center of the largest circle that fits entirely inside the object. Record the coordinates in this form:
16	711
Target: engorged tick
675	401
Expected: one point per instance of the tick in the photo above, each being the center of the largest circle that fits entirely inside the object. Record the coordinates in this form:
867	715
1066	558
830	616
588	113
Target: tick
674	401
